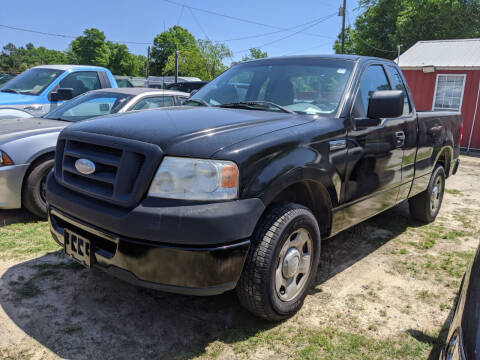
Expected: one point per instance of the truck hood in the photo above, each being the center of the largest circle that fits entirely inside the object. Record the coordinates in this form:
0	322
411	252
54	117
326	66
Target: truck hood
16	99
11	129
191	131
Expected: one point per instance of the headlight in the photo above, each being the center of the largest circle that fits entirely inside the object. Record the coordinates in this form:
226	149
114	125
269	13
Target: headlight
195	179
5	159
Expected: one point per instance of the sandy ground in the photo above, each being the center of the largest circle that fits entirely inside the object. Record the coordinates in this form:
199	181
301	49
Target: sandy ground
383	277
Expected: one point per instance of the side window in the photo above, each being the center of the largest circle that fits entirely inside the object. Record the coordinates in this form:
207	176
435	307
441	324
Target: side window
181	99
81	82
154	102
374	79
397	84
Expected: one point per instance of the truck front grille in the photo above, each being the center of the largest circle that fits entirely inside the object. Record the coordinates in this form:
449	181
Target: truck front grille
123	168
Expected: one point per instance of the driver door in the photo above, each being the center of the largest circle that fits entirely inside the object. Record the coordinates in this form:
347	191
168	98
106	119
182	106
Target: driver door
374	166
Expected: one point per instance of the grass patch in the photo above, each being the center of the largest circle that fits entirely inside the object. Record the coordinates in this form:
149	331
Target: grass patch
453	191
330	344
25	239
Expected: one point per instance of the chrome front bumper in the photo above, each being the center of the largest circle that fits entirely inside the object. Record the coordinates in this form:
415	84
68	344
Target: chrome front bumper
11	180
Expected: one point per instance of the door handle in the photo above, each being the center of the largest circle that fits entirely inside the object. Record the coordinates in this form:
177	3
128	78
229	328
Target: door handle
399	138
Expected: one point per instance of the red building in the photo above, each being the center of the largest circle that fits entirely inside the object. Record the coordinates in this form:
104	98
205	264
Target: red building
444	75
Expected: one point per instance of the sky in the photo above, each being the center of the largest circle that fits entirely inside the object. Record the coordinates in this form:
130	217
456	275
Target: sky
279	27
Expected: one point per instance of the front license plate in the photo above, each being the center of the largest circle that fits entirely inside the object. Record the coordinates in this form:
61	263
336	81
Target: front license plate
78	248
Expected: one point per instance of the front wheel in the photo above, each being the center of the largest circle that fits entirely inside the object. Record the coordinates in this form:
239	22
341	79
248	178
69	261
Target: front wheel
35	188
282	262
426	205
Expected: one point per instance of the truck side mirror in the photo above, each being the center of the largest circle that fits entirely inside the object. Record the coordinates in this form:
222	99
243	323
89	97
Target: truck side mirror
62	94
385	104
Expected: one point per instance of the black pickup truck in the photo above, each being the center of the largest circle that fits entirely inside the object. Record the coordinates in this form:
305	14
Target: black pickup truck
237	188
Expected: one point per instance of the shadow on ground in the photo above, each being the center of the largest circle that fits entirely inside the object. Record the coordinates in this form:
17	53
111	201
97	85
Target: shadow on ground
81	314
8	217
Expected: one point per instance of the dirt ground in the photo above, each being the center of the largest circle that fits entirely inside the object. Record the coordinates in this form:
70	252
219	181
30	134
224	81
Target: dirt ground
389	278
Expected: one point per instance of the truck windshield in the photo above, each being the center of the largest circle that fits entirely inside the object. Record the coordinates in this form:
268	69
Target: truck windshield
32	81
301	85
89	105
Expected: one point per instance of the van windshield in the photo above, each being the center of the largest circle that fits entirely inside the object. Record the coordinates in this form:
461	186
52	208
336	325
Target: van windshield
305	86
32	81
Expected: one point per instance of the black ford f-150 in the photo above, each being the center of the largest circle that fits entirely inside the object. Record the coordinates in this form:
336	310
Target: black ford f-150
237	188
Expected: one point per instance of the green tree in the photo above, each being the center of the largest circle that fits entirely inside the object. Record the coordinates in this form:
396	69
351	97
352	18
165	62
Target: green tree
213	55
205	60
122	62
255	53
384	24
90	49
19	59
165	45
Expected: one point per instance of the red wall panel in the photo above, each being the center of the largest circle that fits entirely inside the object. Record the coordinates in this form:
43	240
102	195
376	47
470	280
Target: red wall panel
423	85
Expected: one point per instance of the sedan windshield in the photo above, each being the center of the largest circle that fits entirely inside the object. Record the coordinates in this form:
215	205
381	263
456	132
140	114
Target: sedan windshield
32	81
90	105
305	86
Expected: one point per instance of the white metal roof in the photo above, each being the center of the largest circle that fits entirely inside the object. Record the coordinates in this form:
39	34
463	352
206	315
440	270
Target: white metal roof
463	53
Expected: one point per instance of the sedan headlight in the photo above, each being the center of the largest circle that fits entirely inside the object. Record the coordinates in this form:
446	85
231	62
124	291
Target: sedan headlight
195	179
5	159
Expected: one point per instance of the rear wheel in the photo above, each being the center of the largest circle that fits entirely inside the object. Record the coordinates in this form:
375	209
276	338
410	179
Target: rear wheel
426	205
35	187
282	262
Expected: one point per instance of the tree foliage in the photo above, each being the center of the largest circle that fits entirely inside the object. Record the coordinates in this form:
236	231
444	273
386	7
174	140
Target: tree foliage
17	59
90	49
197	57
384	24
255	53
166	43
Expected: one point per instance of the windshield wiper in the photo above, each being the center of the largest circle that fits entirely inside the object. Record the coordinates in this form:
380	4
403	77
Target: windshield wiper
254	104
9	91
197	101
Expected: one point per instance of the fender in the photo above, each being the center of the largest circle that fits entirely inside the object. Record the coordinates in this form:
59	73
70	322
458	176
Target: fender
288	168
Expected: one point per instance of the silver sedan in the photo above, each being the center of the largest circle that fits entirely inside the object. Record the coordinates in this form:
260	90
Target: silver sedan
27	145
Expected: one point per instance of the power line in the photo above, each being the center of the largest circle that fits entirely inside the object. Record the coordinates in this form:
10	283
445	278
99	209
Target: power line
229	16
198	24
67	36
275	32
307	49
290	35
180	16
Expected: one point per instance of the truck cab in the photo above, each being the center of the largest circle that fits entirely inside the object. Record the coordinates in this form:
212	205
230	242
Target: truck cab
42	88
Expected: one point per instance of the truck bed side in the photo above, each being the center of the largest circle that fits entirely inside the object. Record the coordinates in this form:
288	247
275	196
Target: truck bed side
438	140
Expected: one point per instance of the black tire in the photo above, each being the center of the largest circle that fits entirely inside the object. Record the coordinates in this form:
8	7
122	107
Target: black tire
33	194
421	207
256	288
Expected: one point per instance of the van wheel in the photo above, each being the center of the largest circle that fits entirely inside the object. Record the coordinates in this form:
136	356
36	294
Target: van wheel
426	205
34	188
282	262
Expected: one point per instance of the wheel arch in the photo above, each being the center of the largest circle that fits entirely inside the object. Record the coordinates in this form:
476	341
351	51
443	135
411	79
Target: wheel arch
310	193
37	160
445	158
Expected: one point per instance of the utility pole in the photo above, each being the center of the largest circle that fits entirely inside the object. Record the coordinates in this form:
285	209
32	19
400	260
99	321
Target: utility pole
176	66
399	47
147	68
343	12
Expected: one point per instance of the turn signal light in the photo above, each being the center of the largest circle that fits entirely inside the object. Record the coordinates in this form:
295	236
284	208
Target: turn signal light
5	159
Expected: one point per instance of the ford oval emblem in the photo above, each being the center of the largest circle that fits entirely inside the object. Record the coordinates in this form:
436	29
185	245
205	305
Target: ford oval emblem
85	166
